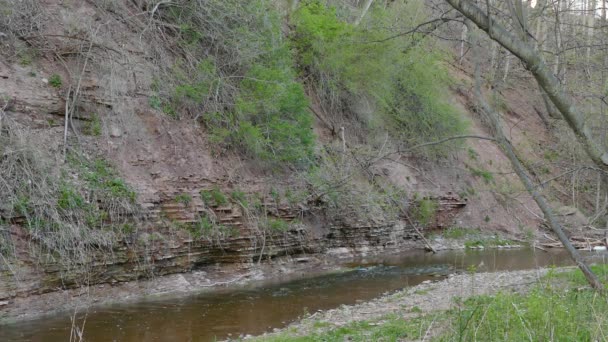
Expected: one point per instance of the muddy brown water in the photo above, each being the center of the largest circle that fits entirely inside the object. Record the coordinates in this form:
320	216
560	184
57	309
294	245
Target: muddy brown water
259	308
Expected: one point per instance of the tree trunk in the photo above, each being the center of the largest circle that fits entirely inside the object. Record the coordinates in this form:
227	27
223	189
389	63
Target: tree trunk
366	7
558	38
540	200
591	24
463	41
534	62
294	5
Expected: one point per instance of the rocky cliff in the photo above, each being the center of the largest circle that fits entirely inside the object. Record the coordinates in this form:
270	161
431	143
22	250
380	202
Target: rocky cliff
79	76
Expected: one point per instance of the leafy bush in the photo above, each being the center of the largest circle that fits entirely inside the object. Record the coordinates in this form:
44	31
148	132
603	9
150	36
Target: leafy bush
238	78
277	225
70	209
339	186
425	210
214	197
405	88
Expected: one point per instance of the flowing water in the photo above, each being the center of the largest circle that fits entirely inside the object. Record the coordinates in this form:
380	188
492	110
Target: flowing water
259	308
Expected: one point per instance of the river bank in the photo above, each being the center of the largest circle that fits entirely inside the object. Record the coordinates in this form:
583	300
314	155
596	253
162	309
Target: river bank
410	303
215	278
537	304
249	300
225	278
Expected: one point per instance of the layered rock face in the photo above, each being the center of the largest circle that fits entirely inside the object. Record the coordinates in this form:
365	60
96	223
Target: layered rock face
158	250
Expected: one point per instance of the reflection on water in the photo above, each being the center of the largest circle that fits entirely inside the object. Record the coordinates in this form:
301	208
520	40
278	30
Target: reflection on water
256	310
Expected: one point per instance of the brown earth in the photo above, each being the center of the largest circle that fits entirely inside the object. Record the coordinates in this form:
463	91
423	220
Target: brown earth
162	158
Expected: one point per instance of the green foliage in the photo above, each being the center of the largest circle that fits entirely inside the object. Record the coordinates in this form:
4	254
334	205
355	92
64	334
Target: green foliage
471	244
184	199
406	88
341	188
26	56
70	207
203	227
127	228
93	127
155	102
551	155
55	81
69	198
487	176
207	228
576	277
22	205
277	225
273	121
544	314
472	154
239	197
214	197
101	177
242	84
425	211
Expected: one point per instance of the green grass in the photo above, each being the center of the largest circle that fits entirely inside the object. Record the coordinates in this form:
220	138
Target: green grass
487	176
55	81
576	278
277	225
559	308
101	177
239	197
94	127
475	238
425	211
184	199
214	197
549	312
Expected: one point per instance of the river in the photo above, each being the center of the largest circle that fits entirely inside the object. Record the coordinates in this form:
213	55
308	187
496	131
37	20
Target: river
260	307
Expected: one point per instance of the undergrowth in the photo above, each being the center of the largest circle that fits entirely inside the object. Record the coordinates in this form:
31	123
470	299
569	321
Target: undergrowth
238	78
342	186
560	307
399	80
72	209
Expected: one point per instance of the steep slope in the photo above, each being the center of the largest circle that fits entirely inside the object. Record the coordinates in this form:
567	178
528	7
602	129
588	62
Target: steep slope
92	67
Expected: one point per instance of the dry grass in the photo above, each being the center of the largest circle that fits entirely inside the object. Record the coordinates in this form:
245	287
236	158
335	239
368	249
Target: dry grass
68	214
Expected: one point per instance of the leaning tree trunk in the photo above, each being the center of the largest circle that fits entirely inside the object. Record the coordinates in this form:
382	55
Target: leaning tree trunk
366	7
540	200
535	63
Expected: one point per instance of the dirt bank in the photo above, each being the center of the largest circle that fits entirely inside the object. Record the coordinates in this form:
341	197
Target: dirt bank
212	278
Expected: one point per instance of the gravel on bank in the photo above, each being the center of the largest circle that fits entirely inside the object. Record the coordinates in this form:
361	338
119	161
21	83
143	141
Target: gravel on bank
418	300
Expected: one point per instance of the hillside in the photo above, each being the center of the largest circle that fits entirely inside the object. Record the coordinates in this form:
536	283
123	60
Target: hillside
141	139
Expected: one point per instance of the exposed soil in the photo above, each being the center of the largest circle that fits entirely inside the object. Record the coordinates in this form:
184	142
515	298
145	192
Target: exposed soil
161	158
